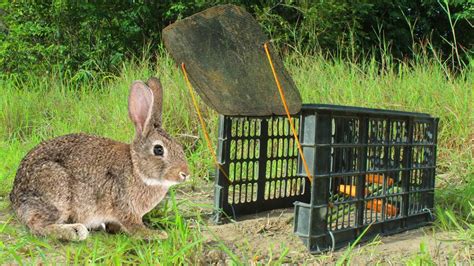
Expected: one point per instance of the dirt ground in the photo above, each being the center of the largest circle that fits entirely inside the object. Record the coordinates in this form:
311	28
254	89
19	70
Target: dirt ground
268	237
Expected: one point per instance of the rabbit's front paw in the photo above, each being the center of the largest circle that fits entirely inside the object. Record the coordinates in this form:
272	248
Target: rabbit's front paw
160	234
147	234
151	235
113	228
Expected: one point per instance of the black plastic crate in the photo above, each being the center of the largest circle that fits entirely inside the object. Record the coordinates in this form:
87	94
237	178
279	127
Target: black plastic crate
369	167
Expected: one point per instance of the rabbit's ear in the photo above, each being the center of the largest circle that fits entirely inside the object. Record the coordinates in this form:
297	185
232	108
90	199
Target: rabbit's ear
140	102
157	89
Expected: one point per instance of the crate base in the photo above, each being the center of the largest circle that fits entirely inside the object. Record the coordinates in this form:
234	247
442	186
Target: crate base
325	240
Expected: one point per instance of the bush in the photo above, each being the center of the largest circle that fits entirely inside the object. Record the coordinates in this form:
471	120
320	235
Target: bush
84	38
354	27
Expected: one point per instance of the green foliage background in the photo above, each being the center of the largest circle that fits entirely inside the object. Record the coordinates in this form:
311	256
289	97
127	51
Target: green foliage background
66	66
83	38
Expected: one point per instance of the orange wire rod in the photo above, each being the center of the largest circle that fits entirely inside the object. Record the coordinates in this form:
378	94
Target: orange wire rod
201	120
290	119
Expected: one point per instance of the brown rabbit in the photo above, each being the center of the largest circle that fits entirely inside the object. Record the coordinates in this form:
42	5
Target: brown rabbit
77	182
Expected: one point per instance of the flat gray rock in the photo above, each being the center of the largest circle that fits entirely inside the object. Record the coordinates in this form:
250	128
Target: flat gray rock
222	48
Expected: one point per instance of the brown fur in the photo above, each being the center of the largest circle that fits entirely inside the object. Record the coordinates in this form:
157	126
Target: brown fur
77	182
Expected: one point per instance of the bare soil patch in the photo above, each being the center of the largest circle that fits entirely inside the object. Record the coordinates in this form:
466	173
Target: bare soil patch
268	237
271	238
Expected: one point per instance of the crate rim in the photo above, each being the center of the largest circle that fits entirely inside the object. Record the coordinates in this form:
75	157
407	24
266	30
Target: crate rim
362	110
344	109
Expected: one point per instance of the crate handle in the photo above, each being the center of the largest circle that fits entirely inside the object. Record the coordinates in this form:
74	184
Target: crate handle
290	119
333	247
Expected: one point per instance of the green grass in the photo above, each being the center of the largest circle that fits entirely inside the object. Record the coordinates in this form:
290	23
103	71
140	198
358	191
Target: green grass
41	107
183	245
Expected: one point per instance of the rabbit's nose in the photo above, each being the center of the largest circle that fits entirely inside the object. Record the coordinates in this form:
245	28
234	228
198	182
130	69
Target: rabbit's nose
183	176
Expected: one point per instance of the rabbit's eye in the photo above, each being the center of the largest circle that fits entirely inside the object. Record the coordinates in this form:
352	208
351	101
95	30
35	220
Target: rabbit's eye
158	150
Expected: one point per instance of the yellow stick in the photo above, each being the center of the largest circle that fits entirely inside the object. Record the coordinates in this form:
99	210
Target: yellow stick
203	124
290	119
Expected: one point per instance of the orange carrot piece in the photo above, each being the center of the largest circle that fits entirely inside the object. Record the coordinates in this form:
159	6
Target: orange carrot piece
350	190
376	178
376	205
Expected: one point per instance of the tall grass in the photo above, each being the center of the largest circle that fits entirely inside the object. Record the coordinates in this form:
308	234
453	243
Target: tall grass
41	107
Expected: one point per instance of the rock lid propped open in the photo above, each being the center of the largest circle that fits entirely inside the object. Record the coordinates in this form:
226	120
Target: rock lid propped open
222	48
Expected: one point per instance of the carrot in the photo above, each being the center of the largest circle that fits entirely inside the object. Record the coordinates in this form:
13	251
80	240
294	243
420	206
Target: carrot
349	190
376	178
376	205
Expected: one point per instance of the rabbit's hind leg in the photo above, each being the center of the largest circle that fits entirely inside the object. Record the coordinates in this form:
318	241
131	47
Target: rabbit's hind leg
42	219
43	203
71	232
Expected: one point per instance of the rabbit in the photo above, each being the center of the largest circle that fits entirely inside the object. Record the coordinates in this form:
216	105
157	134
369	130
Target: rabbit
71	184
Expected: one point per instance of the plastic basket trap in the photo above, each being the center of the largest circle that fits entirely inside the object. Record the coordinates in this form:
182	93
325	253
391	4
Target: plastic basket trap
369	167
